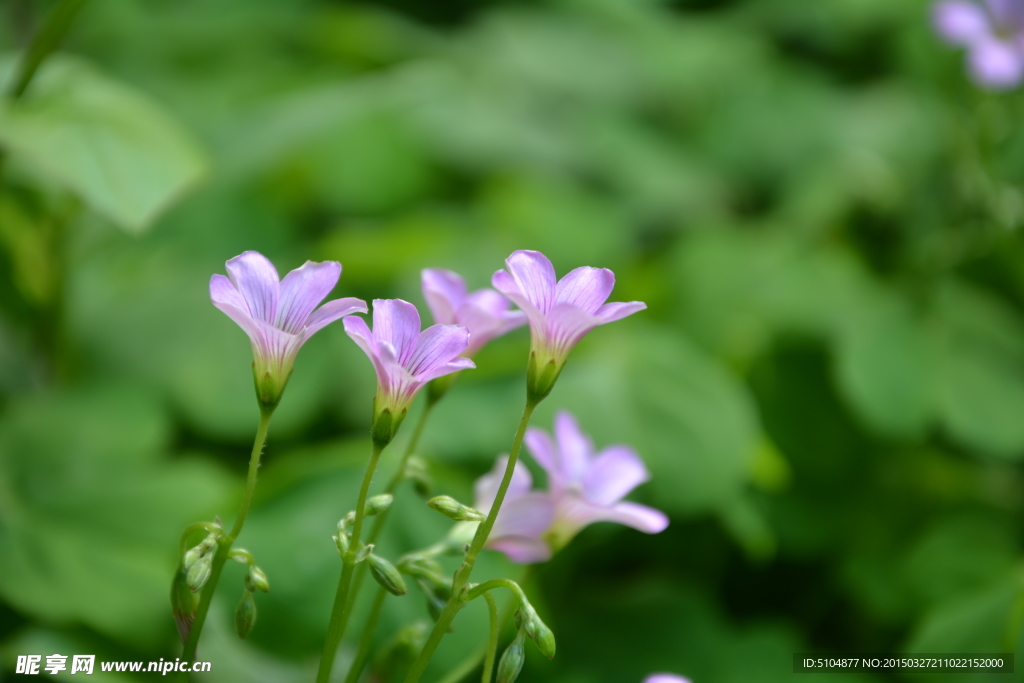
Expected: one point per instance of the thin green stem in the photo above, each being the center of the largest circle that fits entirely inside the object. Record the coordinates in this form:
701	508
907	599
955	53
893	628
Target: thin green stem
224	543
483	588
458	598
342	606
45	41
366	640
492	642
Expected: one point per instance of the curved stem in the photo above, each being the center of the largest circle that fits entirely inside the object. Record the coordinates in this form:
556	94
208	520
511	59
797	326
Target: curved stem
366	640
462	575
45	41
492	642
224	543
342	605
483	588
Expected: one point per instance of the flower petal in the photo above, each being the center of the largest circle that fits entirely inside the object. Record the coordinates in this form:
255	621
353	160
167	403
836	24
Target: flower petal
486	487
543	451
436	346
535	276
302	290
567	325
255	277
331	311
996	64
522	550
527	515
586	288
455	365
960	22
506	284
357	329
574	513
619	310
225	297
666	678
616	471
575	449
640	517
396	322
444	292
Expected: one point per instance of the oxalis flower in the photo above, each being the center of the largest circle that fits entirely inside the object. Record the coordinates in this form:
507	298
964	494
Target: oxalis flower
278	315
666	678
560	312
589	487
524	518
992	32
405	358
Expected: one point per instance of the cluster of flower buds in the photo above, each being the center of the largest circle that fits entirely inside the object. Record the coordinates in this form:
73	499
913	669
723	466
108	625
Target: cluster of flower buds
528	621
198	562
375	505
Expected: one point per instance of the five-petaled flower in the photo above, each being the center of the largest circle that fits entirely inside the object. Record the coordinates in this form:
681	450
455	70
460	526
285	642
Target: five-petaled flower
278	315
405	358
992	32
525	515
485	313
560	312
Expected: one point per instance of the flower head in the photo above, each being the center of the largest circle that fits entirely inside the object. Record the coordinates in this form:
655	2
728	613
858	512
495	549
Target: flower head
524	518
405	358
278	315
560	312
589	487
666	678
485	313
992	32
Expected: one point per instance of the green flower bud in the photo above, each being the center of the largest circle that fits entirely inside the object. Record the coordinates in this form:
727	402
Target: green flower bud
378	504
347	522
245	615
256	580
199	573
453	509
341	540
512	660
544	639
363	553
191	557
183	604
386	575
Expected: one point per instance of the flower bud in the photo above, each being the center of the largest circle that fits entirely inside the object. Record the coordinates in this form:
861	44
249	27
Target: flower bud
544	639
512	660
342	541
347	522
386	575
245	615
363	553
378	504
453	509
199	573
183	604
256	580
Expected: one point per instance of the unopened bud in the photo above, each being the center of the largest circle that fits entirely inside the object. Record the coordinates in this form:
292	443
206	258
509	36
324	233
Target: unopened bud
544	639
245	615
199	573
512	660
341	540
363	553
347	522
256	580
386	575
378	504
453	509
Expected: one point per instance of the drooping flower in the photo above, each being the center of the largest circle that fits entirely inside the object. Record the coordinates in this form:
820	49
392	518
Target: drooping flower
524	518
560	312
992	32
485	313
278	315
589	487
666	678
405	358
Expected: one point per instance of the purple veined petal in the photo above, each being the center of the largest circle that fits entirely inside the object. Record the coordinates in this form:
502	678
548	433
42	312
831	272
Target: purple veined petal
961	22
251	326
255	277
539	443
223	292
444	291
486	487
436	346
357	329
331	311
617	311
522	550
487	301
506	284
666	678
996	64
575	513
527	515
396	322
575	449
615	472
301	292
586	288
455	365
483	326
567	325
535	277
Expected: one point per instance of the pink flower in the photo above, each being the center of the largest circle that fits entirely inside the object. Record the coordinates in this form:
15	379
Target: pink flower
524	518
666	678
589	487
992	32
405	358
485	313
560	313
278	315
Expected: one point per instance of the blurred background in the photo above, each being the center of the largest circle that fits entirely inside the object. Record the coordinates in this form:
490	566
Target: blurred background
822	212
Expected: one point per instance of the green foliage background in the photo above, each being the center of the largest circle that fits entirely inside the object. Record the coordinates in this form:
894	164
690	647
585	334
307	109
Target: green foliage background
821	212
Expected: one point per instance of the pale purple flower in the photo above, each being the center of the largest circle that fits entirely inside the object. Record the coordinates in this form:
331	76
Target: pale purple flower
589	487
666	678
278	315
485	313
524	518
405	358
560	312
992	32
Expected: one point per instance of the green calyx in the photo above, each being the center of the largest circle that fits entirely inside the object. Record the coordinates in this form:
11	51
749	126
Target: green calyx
385	425
269	386
541	376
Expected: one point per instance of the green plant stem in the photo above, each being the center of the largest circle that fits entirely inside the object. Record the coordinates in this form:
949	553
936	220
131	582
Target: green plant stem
462	576
492	642
224	543
362	654
342	606
44	41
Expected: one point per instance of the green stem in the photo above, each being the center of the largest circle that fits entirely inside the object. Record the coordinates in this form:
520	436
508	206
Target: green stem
492	643
366	640
483	588
45	41
342	606
458	598
224	543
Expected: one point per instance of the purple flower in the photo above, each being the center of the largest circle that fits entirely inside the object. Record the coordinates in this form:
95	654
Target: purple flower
666	678
485	313
992	32
278	315
560	313
589	487
405	358
524	518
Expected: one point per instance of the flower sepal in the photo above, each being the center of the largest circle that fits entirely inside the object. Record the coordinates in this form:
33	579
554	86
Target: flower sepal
541	376
385	424
269	385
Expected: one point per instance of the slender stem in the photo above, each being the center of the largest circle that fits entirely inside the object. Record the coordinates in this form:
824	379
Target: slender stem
342	606
45	41
462	575
483	588
492	642
224	543
366	640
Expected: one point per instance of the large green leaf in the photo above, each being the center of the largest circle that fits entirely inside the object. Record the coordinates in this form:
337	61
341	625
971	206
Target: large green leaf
107	142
